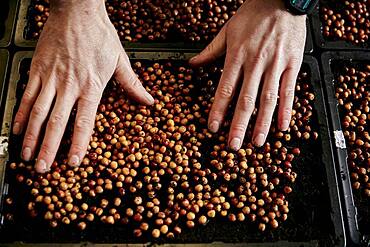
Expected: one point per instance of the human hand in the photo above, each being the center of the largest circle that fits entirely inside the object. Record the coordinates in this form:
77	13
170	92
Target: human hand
263	43
76	55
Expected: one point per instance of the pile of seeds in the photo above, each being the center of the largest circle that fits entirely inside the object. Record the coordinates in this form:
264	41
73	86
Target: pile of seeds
158	169
346	20
140	20
353	94
202	20
154	20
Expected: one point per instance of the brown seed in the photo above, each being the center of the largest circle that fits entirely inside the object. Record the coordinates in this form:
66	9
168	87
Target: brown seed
156	233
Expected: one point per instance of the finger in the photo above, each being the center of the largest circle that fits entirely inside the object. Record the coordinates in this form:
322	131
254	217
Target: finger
54	132
213	51
28	99
268	101
225	90
286	99
39	113
84	124
245	105
130	83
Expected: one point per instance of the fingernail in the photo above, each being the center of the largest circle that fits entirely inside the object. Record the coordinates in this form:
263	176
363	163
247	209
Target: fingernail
26	154
214	125
74	160
235	144
149	98
285	125
41	166
16	128
259	140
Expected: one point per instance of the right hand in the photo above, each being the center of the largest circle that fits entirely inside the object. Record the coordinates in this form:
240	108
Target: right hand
77	54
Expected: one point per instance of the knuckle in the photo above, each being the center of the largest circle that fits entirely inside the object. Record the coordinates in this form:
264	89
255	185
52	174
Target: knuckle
37	65
210	48
38	110
83	122
91	98
236	55
240	127
135	82
20	116
56	121
93	84
226	91
69	83
287	112
295	60
246	102
216	114
289	93
29	137
78	147
46	150
259	57
263	124
27	97
269	97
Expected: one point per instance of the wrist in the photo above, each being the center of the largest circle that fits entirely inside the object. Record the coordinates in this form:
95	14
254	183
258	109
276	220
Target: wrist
81	9
300	7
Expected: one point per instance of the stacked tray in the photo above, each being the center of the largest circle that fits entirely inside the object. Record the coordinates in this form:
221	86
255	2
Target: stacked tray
7	19
356	205
23	39
4	59
331	43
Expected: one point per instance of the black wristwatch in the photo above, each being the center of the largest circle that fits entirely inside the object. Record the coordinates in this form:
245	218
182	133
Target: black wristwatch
300	7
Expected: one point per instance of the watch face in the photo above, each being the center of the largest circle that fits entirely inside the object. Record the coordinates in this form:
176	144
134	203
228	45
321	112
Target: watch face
301	4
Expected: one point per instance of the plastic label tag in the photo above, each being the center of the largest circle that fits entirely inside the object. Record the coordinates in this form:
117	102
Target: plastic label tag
3	146
340	142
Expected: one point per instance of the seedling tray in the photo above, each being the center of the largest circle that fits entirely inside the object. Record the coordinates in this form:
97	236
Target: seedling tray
357	209
22	40
7	19
327	43
315	217
4	59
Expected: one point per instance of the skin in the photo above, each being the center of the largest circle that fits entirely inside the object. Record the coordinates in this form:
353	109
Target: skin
79	51
76	55
264	46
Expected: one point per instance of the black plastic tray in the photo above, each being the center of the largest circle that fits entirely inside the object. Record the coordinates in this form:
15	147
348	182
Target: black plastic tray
22	41
4	59
7	18
350	210
330	192
322	42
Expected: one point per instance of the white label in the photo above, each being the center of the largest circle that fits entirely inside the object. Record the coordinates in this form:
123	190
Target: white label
3	146
340	142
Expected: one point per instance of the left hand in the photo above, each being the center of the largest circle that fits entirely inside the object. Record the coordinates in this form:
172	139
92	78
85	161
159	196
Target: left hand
263	43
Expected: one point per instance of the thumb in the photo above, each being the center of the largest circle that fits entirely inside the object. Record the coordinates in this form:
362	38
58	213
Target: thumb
128	80
213	51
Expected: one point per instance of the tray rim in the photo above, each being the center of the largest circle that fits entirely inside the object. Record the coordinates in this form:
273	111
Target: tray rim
21	41
4	61
323	43
336	213
355	235
9	24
